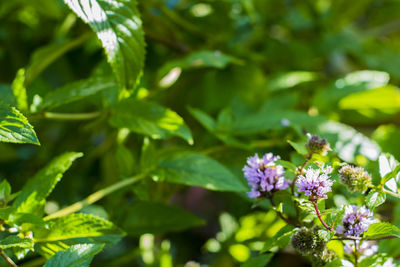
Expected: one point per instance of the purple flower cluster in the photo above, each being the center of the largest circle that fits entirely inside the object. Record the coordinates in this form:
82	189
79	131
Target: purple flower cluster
264	175
355	221
315	183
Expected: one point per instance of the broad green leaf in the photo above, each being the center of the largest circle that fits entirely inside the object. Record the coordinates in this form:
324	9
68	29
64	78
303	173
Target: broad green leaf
381	230
75	229
13	241
299	147
149	119
76	91
197	170
5	190
14	127
281	238
119	28
80	255
259	261
375	198
385	98
155	218
19	91
35	191
206	120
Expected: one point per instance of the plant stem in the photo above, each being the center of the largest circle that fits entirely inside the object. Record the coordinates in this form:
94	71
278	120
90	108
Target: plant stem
71	116
288	221
355	254
95	197
308	157
7	259
320	218
364	239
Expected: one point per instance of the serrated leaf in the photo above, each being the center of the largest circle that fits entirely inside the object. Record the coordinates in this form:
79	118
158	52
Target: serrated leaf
149	119
76	91
14	127
80	255
155	218
14	241
75	229
35	191
119	28
197	170
375	198
381	230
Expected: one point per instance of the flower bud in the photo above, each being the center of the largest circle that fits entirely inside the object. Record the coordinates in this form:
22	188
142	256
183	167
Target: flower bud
316	145
355	178
307	241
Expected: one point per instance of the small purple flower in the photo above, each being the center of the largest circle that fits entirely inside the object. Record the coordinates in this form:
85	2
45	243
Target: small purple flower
315	183
355	221
366	248
263	175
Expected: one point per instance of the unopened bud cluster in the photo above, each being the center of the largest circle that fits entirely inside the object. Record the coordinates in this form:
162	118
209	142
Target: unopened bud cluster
316	145
355	178
307	241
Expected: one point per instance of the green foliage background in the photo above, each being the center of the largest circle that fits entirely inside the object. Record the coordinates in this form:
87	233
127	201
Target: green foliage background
190	90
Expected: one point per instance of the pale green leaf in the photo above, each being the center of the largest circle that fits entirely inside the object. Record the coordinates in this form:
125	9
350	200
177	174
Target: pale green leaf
197	170
14	127
149	119
13	241
79	255
35	191
375	198
381	230
119	28
19	91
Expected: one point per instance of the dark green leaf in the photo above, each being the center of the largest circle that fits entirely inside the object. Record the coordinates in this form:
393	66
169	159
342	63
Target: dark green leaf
150	119
155	218
197	170
259	261
80	255
119	28
13	241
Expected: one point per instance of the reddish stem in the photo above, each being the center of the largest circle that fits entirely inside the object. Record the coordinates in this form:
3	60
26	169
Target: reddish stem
320	218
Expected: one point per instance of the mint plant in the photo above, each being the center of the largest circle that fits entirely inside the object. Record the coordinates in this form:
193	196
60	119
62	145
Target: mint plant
354	226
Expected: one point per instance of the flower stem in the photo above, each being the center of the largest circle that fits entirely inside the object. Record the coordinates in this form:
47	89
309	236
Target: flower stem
355	254
7	259
308	157
288	221
320	218
95	197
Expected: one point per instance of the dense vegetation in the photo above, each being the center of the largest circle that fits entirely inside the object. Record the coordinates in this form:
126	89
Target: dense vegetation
148	111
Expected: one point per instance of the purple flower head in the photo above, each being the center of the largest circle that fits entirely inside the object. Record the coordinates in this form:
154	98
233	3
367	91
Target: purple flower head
355	221
315	183
263	175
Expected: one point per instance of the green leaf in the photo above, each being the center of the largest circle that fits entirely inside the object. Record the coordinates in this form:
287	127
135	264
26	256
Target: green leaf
299	147
119	28
281	238
80	255
375	198
14	127
13	241
7	95
156	218
286	164
75	229
5	190
19	91
197	170
259	261
291	79
149	119
206	120
35	191
76	91
381	230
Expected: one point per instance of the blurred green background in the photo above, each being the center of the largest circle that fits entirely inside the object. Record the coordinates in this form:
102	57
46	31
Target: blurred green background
246	75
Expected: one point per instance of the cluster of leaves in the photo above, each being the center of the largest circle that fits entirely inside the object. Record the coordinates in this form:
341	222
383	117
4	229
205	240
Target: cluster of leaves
166	99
